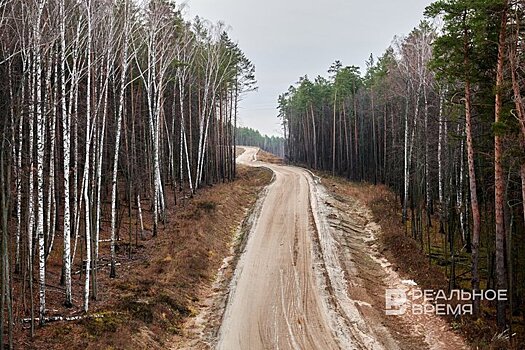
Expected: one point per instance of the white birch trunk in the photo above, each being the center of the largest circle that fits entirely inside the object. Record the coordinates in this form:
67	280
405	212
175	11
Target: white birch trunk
139	206
66	141
19	177
108	70
202	120
428	188
440	148
99	168
183	135
87	159
40	146
406	166
52	207
73	111
31	195
120	113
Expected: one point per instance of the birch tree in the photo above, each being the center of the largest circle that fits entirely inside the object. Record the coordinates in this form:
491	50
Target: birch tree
40	135
120	112
157	32
87	163
66	139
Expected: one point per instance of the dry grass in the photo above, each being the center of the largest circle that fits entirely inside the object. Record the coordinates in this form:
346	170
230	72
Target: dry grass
267	157
238	151
403	251
161	285
412	262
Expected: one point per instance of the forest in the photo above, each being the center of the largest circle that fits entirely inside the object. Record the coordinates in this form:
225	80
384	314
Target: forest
109	109
251	137
439	118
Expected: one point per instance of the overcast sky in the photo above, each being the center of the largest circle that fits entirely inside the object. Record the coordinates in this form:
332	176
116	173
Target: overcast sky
286	39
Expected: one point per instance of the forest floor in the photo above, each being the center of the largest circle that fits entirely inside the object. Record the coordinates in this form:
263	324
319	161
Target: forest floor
160	280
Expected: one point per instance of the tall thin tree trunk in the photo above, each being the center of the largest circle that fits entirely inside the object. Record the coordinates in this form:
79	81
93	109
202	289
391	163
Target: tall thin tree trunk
441	137
406	165
120	113
499	179
19	182
89	133
473	194
40	147
314	132
518	101
66	139
333	134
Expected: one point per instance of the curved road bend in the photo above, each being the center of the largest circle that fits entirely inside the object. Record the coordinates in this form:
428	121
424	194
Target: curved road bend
275	300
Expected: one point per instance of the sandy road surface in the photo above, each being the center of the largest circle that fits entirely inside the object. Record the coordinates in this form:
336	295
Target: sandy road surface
278	300
275	303
294	288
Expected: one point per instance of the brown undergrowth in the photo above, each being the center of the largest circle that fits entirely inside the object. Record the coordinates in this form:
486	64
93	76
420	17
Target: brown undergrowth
238	151
158	278
267	157
412	262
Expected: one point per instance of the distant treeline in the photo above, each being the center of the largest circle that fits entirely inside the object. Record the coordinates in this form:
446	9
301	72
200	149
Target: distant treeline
252	137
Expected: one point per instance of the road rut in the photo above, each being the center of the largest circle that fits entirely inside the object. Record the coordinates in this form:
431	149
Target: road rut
279	298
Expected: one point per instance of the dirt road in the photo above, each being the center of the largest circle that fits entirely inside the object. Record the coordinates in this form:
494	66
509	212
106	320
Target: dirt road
291	288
